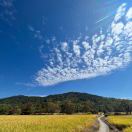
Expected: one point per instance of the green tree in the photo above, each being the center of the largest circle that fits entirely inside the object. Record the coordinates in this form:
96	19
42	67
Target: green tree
4	109
14	111
27	109
53	107
68	107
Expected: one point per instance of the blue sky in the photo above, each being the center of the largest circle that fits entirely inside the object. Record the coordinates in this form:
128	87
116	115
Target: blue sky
49	47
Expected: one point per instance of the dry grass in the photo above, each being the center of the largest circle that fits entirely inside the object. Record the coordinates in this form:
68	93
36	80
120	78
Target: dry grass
121	122
49	123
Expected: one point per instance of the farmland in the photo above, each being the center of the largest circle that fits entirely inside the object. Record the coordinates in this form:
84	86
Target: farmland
121	122
47	123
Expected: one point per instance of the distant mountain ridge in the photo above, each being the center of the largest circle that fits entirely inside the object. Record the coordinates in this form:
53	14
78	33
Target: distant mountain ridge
72	102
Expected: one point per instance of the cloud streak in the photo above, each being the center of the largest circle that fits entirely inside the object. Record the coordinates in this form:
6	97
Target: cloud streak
102	19
32	85
86	57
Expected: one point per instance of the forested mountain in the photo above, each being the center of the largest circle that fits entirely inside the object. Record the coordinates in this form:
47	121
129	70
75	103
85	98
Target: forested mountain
69	103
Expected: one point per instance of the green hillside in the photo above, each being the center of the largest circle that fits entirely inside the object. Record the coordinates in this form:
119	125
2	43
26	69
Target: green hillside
69	103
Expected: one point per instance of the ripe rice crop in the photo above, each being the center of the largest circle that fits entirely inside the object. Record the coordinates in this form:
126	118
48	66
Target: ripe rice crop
46	123
121	122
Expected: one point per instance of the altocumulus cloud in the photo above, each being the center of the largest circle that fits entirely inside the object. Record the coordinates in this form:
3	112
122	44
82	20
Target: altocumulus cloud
8	11
90	57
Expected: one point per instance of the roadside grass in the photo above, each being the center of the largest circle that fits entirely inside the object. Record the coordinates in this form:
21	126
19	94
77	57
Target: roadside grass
47	123
123	123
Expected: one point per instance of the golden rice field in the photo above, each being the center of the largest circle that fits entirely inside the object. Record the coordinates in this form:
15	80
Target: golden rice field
46	123
122	122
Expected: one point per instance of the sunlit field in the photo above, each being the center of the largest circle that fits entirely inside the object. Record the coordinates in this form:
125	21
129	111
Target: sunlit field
121	122
48	123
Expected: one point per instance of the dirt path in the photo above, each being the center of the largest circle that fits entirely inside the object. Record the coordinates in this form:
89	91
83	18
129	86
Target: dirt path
103	127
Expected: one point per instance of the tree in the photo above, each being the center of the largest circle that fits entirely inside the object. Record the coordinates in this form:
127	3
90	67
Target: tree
125	106
27	109
87	107
68	107
53	107
14	111
4	109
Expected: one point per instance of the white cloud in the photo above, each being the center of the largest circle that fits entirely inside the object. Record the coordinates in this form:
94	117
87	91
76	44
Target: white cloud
120	12
117	28
37	34
76	49
87	58
86	45
129	14
8	11
64	46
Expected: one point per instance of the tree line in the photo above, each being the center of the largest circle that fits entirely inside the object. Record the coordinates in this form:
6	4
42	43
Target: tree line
67	103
